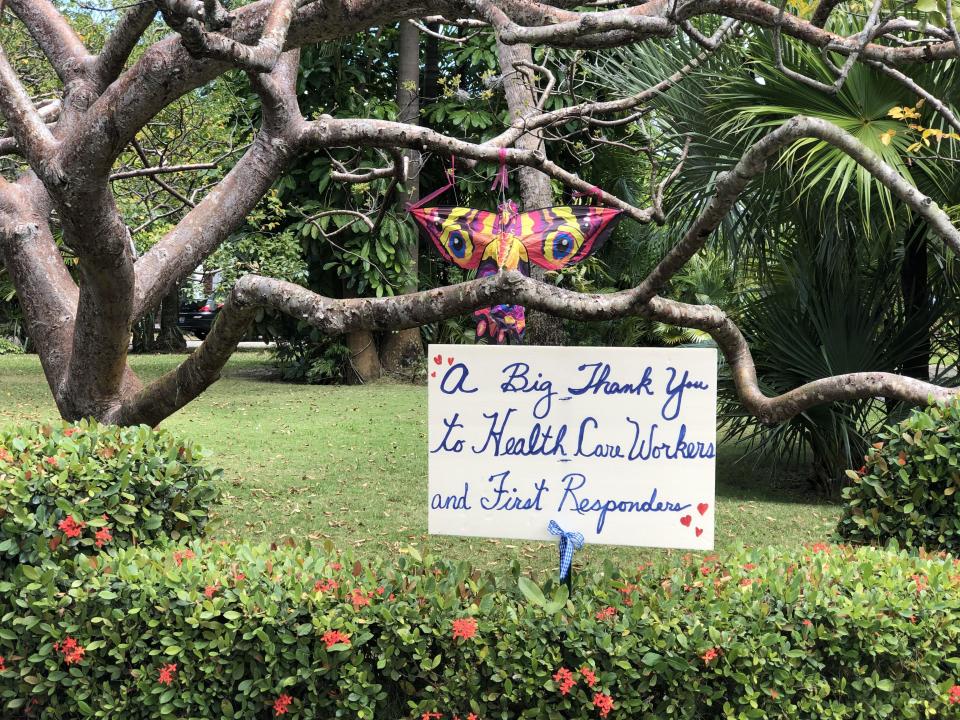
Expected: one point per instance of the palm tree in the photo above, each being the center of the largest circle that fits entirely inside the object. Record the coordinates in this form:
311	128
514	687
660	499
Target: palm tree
816	232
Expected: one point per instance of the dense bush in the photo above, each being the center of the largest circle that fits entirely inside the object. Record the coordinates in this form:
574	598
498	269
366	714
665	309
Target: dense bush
211	631
907	488
68	488
8	347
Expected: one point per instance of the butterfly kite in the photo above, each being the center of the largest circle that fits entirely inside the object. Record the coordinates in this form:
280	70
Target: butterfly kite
488	242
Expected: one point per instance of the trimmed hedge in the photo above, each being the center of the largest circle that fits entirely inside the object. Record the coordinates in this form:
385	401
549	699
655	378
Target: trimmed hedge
238	631
906	490
70	488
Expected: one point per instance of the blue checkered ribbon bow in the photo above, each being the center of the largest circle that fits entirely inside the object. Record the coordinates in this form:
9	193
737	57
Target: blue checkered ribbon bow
570	542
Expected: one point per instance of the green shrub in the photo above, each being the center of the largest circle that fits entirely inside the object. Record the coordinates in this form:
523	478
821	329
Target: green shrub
75	488
246	632
907	489
8	347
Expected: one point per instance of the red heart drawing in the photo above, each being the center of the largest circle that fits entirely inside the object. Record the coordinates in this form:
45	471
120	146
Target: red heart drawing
699	531
702	508
438	359
686	520
449	361
433	374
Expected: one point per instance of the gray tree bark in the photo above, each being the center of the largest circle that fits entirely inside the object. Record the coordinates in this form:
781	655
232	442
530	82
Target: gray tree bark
402	350
535	190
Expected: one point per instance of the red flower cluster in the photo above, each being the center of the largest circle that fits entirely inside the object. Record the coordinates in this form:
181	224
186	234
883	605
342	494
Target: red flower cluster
211	590
626	591
282	704
70	527
920	581
953	695
69	432
710	655
103	536
179	557
807	622
431	716
604	703
359	598
749	566
71	650
51	461
820	547
325	585
5	456
564	680
464	628
3	665
336	566
167	673
589	677
334	637
607	613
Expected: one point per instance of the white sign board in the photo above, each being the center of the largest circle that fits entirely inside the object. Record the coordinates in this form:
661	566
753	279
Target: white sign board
616	443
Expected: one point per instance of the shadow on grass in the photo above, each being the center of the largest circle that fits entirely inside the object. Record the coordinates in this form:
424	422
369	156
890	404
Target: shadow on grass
742	477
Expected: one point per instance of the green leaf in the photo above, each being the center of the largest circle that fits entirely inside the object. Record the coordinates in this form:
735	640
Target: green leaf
531	591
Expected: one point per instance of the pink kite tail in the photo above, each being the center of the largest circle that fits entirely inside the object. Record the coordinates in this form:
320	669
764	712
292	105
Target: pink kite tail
501	181
451	181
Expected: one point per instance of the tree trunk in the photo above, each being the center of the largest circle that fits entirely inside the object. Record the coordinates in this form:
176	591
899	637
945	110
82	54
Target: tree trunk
170	339
431	66
143	335
916	297
402	350
535	190
364	362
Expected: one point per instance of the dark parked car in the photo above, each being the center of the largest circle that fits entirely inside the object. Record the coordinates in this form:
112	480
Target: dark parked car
197	316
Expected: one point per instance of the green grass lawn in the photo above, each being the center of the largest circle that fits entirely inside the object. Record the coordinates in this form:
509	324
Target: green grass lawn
349	465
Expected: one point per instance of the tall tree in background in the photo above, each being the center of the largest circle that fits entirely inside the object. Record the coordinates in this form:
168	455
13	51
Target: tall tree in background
403	349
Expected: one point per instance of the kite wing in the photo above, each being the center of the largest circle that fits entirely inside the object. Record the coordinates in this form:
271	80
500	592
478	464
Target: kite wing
460	234
558	237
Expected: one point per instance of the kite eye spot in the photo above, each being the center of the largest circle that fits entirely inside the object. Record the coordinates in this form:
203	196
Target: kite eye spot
562	245
457	244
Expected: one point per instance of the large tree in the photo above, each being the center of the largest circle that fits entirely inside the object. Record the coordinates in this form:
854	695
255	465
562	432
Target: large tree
81	327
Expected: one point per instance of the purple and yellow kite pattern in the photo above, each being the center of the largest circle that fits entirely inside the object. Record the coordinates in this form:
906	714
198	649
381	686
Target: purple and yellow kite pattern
488	242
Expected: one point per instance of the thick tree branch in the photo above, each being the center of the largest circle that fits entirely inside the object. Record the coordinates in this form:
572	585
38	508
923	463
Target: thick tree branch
45	289
763	14
731	184
769	410
161	170
259	57
330	132
121	42
941	107
224	208
592	29
33	139
335	317
822	13
589	110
